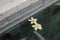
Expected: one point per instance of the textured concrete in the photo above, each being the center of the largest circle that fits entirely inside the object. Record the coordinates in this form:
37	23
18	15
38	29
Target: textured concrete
9	7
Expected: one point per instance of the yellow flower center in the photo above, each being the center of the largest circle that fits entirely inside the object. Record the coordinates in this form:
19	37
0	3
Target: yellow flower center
33	20
37	26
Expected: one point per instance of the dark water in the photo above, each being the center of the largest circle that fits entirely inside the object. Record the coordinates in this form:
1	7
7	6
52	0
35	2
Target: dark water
50	21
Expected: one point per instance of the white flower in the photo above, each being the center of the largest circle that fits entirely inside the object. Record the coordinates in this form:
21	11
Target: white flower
32	20
37	26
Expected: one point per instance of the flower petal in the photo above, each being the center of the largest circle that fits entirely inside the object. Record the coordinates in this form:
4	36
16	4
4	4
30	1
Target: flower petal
36	19
29	20
40	28
35	28
32	18
33	25
35	22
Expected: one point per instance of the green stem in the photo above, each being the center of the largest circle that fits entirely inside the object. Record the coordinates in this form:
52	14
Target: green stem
41	38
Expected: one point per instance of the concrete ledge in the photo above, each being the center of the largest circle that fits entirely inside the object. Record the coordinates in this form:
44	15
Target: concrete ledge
9	7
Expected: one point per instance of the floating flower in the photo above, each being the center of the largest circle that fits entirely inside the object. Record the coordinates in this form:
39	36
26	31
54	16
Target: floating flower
37	26
32	20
